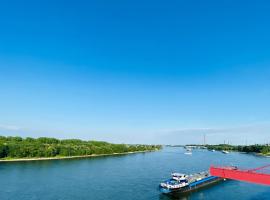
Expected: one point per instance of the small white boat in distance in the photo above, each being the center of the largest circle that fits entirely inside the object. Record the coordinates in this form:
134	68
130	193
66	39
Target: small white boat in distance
213	150
226	152
188	153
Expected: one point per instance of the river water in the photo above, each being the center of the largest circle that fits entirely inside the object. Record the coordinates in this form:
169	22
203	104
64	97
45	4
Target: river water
125	177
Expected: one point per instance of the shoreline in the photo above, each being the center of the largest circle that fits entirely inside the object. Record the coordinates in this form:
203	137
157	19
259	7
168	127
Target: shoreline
267	155
250	153
70	157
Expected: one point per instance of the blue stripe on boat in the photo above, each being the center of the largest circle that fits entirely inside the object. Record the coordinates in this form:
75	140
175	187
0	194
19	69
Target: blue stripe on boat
201	181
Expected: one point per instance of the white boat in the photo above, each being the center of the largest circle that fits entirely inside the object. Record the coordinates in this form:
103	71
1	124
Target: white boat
226	152
178	176
188	153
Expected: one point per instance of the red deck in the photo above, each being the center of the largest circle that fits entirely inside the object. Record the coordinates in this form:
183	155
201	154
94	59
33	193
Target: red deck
241	175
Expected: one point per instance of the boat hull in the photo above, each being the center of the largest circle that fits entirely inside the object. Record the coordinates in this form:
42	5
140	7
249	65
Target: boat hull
193	186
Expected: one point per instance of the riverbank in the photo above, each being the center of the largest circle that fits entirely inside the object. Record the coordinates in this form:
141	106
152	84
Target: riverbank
24	149
70	157
257	149
263	154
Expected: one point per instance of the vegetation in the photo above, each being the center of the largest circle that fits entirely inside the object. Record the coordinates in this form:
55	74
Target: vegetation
257	148
17	147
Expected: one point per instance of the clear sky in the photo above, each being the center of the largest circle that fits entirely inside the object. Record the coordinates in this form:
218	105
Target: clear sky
144	71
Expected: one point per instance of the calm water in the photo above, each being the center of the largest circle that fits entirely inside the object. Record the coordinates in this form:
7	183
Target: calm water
123	177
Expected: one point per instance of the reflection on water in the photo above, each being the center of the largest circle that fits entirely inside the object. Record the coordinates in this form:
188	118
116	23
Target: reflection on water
187	196
175	197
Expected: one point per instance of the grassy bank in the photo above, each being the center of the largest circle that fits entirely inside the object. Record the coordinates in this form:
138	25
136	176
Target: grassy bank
22	149
8	159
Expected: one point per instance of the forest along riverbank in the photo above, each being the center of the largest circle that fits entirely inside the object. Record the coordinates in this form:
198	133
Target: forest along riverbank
259	149
30	149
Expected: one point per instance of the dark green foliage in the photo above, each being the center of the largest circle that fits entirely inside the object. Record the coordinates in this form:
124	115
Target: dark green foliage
3	151
17	147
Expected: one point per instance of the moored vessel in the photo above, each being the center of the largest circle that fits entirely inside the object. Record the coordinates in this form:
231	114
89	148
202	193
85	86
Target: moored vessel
182	183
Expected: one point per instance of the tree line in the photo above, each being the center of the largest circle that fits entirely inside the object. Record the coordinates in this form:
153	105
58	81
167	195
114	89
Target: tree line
18	147
257	148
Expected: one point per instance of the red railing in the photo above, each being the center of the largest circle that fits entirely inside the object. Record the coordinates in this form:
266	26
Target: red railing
241	175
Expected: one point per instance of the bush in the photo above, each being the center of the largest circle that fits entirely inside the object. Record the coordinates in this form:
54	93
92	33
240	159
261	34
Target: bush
17	147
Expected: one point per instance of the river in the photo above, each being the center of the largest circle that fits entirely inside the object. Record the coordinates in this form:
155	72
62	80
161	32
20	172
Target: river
125	177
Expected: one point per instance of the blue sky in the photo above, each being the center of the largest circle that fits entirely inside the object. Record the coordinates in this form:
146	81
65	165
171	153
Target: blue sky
136	71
